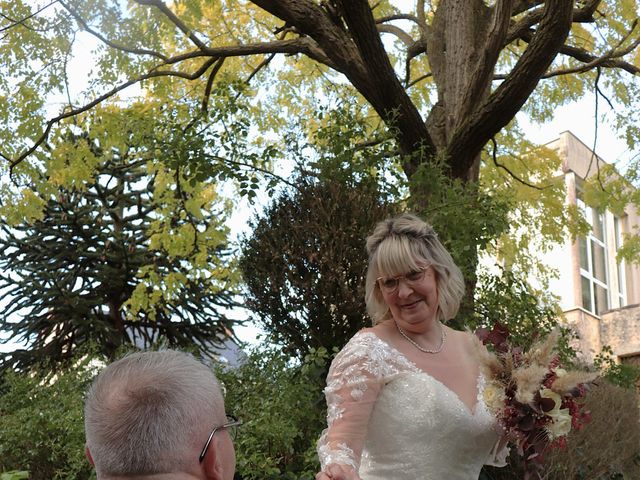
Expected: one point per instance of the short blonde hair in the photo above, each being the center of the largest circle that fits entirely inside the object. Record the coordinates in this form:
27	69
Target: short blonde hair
401	244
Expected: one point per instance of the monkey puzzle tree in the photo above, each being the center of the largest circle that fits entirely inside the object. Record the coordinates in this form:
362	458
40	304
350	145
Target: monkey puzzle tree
136	255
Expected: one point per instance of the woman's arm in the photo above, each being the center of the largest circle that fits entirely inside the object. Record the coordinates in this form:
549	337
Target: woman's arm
353	385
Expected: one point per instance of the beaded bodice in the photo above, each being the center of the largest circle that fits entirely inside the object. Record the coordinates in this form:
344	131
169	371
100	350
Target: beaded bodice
390	420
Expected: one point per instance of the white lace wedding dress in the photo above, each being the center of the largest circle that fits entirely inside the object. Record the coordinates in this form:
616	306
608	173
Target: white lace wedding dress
392	421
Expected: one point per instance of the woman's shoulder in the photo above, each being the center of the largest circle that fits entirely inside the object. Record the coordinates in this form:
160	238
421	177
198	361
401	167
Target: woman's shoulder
369	347
366	337
465	340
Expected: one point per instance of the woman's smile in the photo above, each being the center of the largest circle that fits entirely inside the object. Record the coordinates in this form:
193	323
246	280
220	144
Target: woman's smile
411	305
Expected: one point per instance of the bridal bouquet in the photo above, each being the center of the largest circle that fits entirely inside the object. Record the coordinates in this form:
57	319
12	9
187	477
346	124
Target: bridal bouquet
535	400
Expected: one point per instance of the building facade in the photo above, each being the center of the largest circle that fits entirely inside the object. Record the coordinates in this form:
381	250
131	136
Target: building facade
599	295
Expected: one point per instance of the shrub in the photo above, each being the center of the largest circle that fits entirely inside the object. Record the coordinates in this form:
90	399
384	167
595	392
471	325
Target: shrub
620	374
283	410
42	425
304	264
609	446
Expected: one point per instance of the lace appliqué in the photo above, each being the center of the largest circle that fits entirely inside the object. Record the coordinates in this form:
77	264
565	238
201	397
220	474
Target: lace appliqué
366	359
340	454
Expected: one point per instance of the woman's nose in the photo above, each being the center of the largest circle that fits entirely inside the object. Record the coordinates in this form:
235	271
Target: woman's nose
404	288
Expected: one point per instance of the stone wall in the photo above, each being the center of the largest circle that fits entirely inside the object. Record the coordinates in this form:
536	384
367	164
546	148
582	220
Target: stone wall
619	329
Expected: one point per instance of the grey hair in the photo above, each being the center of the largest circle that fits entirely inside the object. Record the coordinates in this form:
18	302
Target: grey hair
150	413
401	244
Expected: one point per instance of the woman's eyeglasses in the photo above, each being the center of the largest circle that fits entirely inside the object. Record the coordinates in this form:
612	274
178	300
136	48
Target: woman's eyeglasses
391	284
231	426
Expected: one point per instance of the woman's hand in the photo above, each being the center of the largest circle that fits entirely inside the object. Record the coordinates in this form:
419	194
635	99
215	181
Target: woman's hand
338	472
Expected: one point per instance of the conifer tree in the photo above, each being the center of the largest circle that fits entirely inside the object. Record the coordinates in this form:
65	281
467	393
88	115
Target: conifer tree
68	277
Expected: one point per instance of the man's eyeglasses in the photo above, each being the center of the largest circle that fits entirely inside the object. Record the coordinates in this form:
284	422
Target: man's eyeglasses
390	284
231	426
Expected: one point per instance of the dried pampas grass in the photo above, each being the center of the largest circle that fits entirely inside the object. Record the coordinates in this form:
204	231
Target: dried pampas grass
566	383
543	352
528	380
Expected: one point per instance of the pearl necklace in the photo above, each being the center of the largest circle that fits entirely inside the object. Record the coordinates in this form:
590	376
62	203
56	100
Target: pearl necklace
422	349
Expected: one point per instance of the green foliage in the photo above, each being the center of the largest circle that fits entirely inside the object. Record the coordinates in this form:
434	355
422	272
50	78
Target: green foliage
14	475
539	217
130	252
282	407
439	199
444	199
305	262
42	424
528	314
620	374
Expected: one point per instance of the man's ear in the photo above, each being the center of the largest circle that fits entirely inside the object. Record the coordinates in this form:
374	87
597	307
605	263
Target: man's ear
87	454
212	461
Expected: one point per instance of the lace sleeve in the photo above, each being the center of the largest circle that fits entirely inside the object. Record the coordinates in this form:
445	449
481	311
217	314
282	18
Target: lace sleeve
355	379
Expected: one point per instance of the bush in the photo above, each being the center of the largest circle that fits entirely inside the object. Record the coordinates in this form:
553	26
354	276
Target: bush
42	425
609	446
305	263
620	374
606	448
283	410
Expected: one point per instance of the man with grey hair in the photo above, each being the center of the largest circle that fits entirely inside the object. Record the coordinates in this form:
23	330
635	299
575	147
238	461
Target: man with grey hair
158	416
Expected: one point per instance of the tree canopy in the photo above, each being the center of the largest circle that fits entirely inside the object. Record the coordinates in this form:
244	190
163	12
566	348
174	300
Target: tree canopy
436	82
445	76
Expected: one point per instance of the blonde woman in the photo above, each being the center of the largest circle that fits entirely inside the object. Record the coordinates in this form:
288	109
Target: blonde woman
404	397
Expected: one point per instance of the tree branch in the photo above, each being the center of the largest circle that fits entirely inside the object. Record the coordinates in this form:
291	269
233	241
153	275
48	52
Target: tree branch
23	20
381	87
419	79
398	32
248	166
494	156
77	111
103	39
499	23
160	5
207	89
611	59
329	37
400	16
583	14
522	6
262	65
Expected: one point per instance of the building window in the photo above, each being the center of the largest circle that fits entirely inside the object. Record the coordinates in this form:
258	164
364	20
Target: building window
620	266
594	277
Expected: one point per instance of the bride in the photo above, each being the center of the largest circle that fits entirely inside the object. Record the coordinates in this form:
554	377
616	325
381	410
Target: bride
405	396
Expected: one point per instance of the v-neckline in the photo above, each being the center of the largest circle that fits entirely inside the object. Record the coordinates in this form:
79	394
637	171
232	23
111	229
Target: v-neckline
471	411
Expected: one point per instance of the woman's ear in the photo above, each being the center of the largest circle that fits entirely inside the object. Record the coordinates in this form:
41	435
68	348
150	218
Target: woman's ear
212	461
87	454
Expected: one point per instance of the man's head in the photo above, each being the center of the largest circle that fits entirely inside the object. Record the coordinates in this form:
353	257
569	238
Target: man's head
149	415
